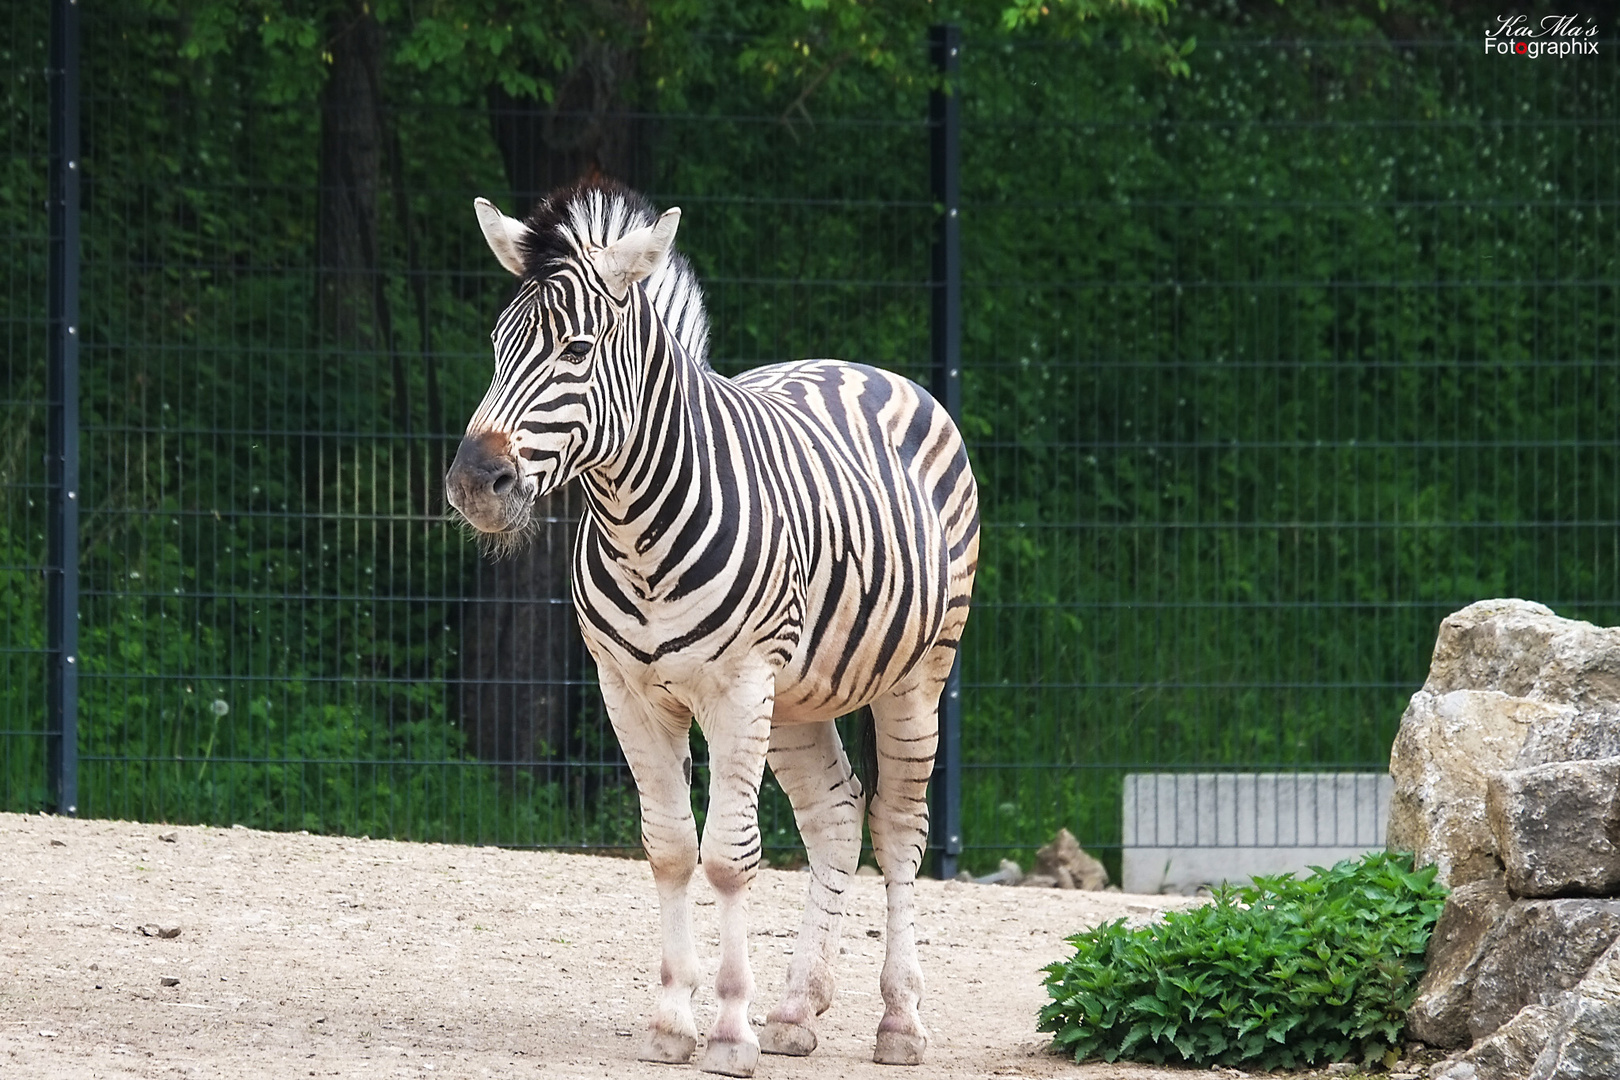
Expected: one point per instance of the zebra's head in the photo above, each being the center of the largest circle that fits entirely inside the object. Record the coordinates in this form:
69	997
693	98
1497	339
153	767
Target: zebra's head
569	354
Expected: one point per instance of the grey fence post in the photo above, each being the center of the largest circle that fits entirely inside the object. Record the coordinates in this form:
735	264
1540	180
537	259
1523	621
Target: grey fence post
62	451
945	141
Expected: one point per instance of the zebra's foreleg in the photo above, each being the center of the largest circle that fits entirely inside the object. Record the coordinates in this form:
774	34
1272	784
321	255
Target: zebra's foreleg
659	754
738	731
907	735
809	762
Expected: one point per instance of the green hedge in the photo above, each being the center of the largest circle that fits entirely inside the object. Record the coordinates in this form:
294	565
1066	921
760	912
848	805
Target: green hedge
1281	974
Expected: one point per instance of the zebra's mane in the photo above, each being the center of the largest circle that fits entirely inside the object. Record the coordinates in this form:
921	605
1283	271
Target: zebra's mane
599	211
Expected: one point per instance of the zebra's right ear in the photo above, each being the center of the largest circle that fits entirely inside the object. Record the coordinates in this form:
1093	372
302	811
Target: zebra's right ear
505	235
636	255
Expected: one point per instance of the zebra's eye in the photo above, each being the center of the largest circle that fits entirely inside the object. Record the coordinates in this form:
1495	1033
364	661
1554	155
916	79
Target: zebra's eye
579	347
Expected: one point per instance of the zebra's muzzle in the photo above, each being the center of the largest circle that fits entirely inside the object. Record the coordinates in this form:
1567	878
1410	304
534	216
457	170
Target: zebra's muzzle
485	486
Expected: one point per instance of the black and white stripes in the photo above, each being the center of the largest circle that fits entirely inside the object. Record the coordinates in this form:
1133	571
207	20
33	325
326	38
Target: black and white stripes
761	554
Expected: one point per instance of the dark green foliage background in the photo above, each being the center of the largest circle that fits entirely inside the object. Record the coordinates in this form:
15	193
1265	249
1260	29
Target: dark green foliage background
1271	369
1267	369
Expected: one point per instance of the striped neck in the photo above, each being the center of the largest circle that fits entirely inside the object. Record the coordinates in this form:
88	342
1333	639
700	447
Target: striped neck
656	488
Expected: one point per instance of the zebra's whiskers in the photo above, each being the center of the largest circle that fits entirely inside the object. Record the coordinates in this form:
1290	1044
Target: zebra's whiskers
496	546
504	545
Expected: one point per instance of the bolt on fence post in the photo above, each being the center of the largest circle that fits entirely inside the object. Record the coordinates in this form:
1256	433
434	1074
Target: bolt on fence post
945	168
62	450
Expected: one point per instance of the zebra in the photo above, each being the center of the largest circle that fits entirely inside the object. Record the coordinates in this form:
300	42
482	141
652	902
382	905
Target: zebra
762	554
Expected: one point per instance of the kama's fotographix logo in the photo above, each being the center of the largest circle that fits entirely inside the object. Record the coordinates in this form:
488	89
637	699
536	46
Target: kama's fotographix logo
1554	35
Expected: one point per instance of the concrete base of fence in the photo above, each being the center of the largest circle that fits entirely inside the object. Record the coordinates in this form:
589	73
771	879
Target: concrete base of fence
1186	831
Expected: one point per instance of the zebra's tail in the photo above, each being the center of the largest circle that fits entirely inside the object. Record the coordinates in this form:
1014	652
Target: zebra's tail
866	761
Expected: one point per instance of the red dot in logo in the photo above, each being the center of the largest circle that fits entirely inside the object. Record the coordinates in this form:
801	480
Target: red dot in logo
1521	48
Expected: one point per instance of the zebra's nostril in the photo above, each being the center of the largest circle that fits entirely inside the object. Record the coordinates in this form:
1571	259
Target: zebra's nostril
504	482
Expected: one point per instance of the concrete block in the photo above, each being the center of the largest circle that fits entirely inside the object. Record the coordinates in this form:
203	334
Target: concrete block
1188	830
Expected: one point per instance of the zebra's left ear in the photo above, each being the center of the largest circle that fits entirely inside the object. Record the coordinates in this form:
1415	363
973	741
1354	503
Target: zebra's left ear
634	256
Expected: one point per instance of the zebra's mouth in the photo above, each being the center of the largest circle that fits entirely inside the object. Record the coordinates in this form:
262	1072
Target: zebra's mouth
515	519
510	530
509	513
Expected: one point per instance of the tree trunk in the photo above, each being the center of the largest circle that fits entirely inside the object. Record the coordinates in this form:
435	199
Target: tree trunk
522	655
347	270
521	649
584	131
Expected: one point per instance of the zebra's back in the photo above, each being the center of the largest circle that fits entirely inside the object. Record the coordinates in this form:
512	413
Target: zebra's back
889	530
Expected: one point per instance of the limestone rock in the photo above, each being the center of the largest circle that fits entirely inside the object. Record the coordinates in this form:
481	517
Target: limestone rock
1009	873
1537	950
1524	650
1585	1044
1447	747
1064	860
1557	827
1511	1052
1041	881
1511	752
1579	735
1439	1013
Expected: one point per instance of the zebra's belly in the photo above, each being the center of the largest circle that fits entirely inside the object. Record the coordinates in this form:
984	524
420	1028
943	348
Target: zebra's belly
677	655
861	642
807	702
676	685
842	648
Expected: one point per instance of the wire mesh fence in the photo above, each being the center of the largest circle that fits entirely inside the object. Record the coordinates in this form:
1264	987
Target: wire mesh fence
1273	372
1266	370
23	493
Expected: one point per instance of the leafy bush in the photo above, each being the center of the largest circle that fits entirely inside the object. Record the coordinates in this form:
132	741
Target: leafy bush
1278	975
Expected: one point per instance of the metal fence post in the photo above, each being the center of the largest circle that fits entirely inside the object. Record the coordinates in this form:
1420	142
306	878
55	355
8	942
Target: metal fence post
62	453
945	167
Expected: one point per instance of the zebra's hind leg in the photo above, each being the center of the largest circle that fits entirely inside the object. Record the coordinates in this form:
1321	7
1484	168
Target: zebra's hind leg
810	764
907	723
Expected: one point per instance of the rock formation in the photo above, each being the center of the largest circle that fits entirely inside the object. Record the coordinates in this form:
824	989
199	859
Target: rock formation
1507	776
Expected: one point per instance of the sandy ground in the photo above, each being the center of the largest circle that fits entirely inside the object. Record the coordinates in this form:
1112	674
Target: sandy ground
320	956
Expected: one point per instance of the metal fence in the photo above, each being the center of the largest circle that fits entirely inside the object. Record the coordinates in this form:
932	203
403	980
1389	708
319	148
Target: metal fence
1264	371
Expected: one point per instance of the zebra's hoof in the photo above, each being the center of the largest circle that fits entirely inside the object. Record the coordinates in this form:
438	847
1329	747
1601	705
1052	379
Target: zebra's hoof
899	1048
667	1047
730	1058
794	1040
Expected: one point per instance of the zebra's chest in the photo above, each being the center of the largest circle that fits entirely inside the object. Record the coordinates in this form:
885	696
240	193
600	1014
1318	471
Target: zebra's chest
676	667
673	618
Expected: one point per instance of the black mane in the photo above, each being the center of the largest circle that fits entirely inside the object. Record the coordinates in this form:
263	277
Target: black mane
598	211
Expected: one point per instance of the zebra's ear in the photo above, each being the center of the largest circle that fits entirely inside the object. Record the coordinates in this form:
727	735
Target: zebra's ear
634	256
505	235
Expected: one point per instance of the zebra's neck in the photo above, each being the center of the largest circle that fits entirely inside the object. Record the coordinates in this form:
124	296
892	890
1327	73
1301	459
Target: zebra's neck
657	491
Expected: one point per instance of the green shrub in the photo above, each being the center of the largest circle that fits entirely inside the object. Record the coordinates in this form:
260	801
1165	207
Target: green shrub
1278	975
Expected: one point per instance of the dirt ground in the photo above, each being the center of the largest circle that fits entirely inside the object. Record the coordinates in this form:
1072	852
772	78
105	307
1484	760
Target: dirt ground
319	956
